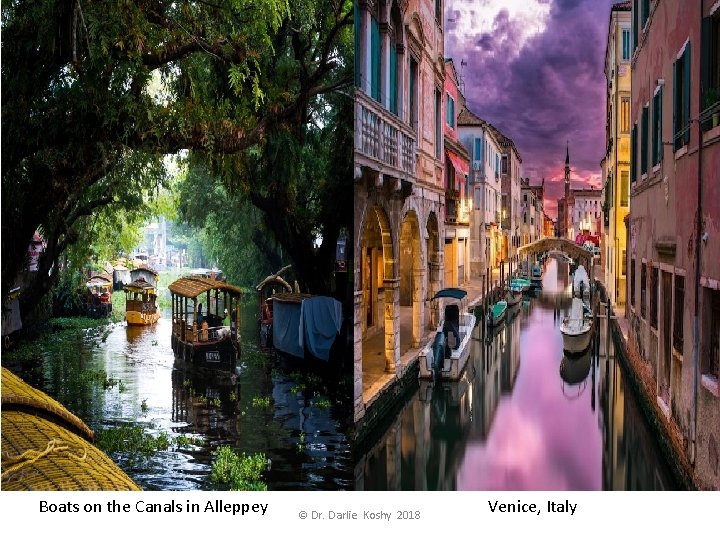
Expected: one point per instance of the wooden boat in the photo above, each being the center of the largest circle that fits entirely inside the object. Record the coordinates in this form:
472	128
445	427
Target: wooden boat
581	282
514	295
521	283
98	302
141	298
266	289
575	369
497	313
536	276
576	328
208	336
446	356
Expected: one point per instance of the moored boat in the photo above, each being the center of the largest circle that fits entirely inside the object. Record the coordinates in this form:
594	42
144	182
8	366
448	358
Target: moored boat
514	295
207	336
497	313
576	328
141	298
446	356
98	302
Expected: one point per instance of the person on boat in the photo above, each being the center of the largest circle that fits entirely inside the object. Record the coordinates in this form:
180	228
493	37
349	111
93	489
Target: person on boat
267	312
582	289
200	316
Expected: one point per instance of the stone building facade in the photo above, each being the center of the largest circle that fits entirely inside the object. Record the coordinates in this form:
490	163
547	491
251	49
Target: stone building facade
674	224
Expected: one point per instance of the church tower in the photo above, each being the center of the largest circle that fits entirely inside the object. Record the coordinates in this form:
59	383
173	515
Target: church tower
567	173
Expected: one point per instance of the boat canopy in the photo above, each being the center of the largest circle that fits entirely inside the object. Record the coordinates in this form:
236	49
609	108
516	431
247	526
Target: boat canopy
139	285
452	292
192	287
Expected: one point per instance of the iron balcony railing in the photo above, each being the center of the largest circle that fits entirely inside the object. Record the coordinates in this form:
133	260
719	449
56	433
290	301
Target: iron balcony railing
382	136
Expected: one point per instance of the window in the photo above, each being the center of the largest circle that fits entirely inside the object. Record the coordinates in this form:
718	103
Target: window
625	44
477	156
438	130
358	51
710	64
645	12
681	99
497	165
710	338
633	154
643	290
657	145
623	263
438	11
678	313
413	94
631	292
644	141
635	24
625	115
450	111
654	297
375	55
504	165
625	188
393	91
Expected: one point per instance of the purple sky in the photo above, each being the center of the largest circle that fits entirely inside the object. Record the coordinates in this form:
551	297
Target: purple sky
534	69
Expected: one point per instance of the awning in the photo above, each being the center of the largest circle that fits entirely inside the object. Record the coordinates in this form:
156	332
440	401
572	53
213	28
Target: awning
460	165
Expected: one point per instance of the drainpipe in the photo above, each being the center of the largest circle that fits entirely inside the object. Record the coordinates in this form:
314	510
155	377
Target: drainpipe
698	244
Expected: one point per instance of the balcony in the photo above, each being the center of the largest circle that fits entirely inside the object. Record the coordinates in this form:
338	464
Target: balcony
382	140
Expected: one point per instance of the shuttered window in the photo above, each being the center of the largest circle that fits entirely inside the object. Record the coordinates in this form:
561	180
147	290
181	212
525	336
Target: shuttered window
657	146
681	99
375	59
644	132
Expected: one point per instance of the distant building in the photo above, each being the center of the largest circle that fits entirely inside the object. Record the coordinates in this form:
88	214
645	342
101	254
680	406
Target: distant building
458	199
673	305
531	212
578	210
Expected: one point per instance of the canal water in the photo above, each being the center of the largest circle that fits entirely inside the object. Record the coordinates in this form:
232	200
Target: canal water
127	376
523	417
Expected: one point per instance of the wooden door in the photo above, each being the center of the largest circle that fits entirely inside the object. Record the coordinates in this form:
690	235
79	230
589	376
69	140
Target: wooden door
666	336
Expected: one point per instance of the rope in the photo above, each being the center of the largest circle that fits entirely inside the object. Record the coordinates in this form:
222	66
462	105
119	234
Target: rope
31	456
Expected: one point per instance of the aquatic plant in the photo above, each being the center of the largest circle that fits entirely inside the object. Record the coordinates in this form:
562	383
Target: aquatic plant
322	403
144	406
239	472
261	402
130	440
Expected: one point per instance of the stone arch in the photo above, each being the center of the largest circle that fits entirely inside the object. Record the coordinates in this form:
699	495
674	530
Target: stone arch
412	276
433	249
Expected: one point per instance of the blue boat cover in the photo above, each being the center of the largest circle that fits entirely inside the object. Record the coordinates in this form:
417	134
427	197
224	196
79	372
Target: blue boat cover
286	328
321	318
452	292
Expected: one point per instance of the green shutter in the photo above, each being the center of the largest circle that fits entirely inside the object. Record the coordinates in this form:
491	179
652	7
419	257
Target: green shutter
633	154
644	141
661	146
358	53
686	93
655	136
393	80
705	55
675	107
635	24
375	55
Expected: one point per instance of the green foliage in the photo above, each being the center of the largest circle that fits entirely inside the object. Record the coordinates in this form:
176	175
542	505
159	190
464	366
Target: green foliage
130	440
239	472
261	402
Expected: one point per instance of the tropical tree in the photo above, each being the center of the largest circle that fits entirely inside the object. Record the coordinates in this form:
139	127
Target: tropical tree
94	94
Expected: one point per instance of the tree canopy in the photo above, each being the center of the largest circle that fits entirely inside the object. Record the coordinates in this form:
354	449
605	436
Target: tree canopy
94	94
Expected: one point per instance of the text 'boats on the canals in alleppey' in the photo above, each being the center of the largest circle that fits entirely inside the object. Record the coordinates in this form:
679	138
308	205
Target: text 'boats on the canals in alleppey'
206	322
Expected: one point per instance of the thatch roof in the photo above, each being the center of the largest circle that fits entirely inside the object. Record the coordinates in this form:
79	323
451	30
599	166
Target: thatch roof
191	286
139	284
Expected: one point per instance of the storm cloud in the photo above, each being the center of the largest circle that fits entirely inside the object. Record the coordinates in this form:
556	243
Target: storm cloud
542	91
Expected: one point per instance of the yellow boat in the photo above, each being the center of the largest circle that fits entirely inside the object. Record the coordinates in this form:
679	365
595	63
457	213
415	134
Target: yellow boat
141	298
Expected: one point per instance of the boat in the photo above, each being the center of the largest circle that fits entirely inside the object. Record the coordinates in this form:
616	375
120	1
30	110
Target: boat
266	289
98	301
521	283
514	295
446	356
536	275
575	369
306	326
576	328
141	298
581	282
206	337
497	313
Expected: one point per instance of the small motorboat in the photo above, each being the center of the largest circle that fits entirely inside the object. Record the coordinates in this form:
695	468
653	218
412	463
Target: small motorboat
536	276
514	295
446	356
521	283
497	313
576	328
581	282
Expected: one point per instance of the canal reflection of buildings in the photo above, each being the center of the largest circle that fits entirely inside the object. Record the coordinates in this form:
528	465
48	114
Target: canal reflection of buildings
439	431
631	458
425	446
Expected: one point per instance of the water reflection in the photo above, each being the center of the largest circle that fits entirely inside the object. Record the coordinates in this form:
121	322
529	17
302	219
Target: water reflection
524	416
129	376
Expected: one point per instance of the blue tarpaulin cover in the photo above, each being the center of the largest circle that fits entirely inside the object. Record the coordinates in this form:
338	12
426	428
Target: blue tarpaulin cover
321	318
286	328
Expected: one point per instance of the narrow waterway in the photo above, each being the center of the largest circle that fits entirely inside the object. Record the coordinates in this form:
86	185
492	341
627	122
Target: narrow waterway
523	417
127	376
